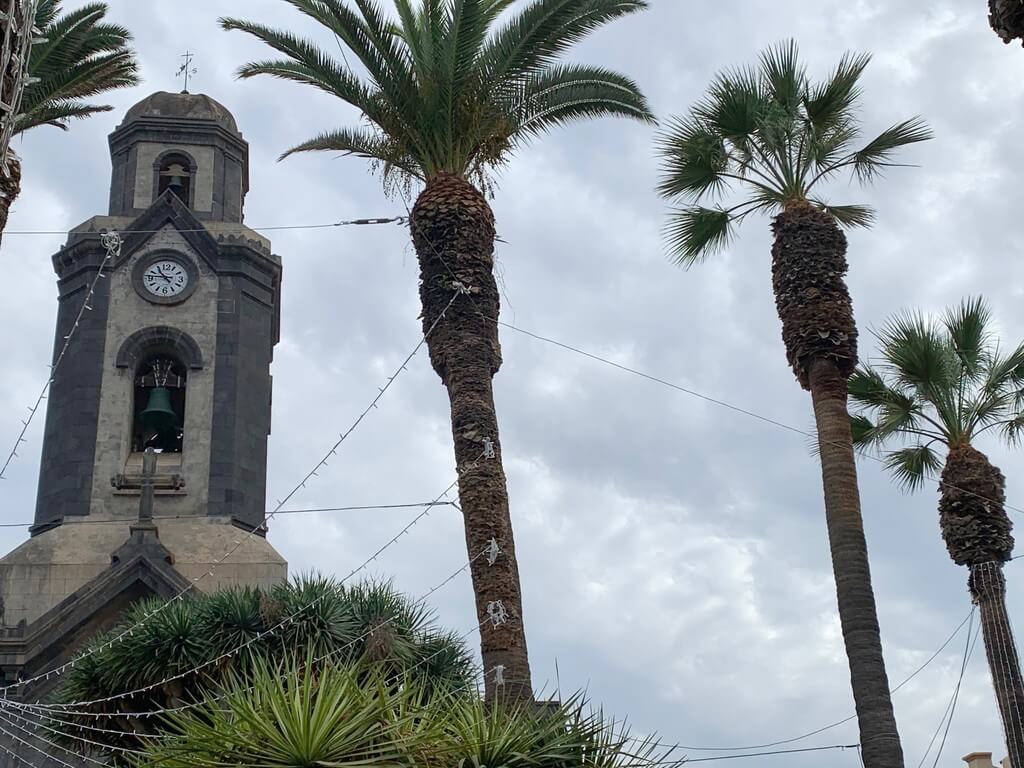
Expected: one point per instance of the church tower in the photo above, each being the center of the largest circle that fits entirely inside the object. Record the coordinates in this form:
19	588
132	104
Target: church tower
168	370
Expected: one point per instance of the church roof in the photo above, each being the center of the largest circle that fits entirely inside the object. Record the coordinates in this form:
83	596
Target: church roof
190	106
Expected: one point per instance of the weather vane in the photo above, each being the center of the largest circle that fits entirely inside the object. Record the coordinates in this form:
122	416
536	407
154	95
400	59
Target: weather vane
186	69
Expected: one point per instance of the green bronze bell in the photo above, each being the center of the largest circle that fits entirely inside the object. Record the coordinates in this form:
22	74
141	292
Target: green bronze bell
158	414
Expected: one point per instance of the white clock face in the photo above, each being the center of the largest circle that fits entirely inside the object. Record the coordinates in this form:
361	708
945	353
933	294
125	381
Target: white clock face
165	278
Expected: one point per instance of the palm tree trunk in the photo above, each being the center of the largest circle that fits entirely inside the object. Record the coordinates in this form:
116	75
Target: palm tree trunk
453	233
988	589
10	188
818	330
879	739
1006	18
976	529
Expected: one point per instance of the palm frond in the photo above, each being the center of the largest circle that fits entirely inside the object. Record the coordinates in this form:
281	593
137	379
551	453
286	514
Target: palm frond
829	104
772	134
82	57
849	215
694	159
695	233
444	91
869	161
940	382
538	35
782	74
913	466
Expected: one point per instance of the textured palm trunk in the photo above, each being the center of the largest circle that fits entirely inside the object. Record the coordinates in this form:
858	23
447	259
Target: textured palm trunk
976	530
808	265
453	233
1007	19
10	188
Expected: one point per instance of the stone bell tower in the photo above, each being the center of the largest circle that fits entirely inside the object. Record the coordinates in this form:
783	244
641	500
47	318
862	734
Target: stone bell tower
172	363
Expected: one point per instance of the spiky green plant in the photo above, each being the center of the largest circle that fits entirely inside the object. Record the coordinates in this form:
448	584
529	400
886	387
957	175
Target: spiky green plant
81	57
938	386
290	718
228	634
448	91
764	140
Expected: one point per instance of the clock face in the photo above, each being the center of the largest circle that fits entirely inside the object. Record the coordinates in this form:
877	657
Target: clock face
165	278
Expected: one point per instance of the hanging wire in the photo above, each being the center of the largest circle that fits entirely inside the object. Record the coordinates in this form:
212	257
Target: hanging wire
220	228
680	388
127	521
112	243
282	623
263	525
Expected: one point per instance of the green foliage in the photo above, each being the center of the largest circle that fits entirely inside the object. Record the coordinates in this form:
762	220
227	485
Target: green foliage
940	383
288	717
775	134
367	625
82	57
443	87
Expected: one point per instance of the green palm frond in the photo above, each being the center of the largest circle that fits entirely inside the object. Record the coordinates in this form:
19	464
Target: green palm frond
82	57
452	86
939	382
913	465
695	232
773	134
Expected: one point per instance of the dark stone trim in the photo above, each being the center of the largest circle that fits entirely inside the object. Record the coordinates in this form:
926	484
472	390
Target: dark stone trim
156	339
165	253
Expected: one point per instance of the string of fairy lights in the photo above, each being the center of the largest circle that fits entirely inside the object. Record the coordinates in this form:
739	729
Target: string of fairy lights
70	709
314	472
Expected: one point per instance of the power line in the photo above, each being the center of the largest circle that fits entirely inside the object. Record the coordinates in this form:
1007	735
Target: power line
761	754
722	403
128	521
219	229
951	707
283	622
830	726
332	451
460	288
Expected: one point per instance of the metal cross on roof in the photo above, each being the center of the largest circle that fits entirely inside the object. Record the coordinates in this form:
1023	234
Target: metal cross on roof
186	69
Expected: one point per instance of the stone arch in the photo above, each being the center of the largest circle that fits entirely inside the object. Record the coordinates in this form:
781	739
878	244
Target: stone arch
174	153
156	339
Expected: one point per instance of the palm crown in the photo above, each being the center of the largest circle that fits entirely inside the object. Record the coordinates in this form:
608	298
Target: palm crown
446	89
940	383
81	57
774	133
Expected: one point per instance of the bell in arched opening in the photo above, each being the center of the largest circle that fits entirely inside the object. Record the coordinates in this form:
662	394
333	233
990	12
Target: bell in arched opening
159	414
175	175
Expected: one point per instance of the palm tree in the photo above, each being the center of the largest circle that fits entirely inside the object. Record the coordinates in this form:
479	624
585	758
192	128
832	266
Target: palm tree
776	135
447	95
1007	19
941	384
78	58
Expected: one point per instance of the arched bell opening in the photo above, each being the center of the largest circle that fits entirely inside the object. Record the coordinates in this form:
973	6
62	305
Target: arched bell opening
158	411
176	171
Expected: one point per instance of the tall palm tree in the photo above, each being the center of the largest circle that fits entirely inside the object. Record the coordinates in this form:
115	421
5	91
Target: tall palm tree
1007	19
774	134
80	56
447	94
939	385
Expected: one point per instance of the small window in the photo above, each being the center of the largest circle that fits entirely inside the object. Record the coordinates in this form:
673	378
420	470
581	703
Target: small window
158	413
174	174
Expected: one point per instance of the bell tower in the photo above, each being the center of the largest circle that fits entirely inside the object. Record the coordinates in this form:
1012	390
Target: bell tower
164	391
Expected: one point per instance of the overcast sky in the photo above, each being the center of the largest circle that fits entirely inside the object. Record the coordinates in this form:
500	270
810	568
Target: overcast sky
673	552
